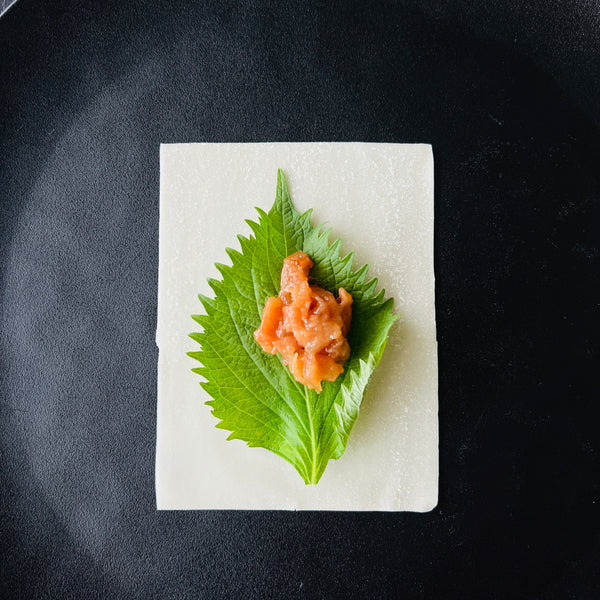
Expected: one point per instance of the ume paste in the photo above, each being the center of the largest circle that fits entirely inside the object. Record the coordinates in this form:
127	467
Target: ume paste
307	325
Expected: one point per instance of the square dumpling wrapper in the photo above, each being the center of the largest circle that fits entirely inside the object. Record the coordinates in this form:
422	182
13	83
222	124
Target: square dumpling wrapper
378	198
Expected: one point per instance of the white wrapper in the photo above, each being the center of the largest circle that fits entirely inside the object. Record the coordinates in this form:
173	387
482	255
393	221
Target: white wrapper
379	199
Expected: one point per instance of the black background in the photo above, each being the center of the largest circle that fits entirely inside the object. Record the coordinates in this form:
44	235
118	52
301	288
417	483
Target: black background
509	96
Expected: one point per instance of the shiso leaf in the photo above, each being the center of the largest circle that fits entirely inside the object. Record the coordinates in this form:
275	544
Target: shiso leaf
254	395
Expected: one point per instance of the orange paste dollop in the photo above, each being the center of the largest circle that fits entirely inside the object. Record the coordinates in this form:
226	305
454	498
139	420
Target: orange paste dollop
307	325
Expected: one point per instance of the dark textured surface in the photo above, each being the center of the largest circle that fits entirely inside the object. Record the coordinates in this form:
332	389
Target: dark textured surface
508	95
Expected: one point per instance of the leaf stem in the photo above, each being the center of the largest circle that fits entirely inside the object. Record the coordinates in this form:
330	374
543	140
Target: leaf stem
313	475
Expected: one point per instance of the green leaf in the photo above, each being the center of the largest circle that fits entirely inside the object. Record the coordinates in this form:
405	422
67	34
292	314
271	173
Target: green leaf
254	395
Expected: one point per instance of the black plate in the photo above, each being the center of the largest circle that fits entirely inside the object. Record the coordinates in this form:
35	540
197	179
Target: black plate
508	95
